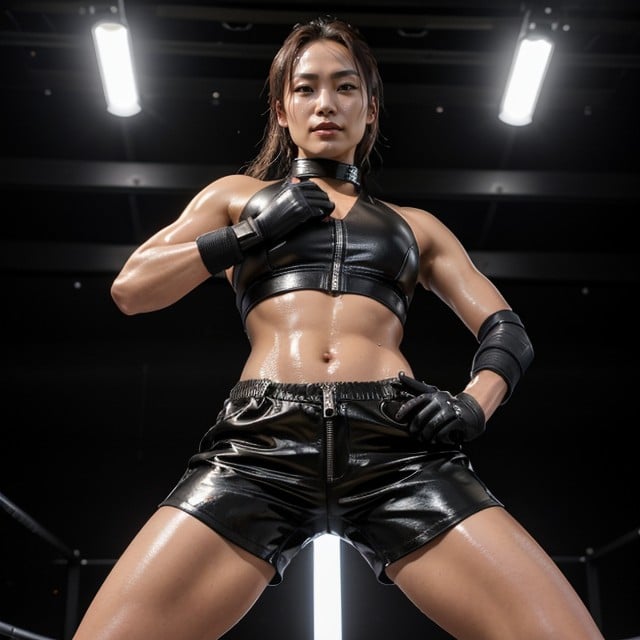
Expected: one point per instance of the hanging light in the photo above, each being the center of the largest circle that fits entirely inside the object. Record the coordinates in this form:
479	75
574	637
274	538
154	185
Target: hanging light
527	73
113	50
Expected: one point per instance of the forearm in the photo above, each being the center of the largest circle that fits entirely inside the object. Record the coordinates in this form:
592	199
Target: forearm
155	277
504	354
162	270
489	389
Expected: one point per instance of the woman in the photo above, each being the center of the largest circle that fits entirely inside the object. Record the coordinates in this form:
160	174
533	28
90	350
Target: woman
327	430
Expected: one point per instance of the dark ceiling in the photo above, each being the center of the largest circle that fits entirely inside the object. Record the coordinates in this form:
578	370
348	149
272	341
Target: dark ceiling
554	199
102	410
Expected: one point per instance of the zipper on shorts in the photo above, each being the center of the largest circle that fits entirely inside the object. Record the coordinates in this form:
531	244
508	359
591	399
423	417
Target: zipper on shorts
328	413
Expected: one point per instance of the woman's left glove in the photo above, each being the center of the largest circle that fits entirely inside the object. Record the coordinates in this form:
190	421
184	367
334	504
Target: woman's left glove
437	416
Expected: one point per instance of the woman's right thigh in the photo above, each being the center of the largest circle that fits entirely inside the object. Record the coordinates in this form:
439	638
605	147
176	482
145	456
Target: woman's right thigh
177	579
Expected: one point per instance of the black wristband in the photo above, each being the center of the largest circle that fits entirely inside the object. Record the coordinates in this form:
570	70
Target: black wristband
248	234
219	249
474	408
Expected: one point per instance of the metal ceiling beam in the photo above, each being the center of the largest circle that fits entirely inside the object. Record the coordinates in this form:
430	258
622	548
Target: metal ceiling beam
76	259
68	6
388	20
245	51
496	185
488	16
483	21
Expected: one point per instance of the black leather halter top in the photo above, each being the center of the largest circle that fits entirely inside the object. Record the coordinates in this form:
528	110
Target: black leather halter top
371	252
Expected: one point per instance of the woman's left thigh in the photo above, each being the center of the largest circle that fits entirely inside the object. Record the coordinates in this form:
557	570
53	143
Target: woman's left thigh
487	578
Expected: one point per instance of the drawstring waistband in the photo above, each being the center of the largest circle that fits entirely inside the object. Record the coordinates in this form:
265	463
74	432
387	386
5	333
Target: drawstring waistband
313	391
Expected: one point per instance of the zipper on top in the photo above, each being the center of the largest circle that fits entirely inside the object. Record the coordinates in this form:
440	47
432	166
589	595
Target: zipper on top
336	265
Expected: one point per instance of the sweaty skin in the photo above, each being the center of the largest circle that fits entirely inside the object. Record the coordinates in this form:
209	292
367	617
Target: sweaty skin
347	339
352	337
329	337
484	579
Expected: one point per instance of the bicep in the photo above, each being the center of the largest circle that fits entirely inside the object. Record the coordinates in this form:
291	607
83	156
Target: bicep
448	271
468	292
207	211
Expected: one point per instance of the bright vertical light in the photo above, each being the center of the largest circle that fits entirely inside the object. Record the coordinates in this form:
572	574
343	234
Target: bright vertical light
327	595
525	80
113	48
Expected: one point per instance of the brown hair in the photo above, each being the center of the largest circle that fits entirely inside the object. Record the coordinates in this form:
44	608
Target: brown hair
278	149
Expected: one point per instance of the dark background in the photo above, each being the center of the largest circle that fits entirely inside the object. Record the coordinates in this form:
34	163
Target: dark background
101	411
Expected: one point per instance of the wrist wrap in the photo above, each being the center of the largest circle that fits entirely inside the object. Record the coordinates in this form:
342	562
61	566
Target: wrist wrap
474	409
219	249
504	348
248	234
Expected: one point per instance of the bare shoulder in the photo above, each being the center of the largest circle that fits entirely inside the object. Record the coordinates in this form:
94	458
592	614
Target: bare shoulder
225	196
232	187
236	182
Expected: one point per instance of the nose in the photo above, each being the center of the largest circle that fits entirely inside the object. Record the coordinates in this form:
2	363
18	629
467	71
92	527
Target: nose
325	103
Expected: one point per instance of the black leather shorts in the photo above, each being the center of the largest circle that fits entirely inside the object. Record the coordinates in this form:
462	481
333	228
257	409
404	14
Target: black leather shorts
285	463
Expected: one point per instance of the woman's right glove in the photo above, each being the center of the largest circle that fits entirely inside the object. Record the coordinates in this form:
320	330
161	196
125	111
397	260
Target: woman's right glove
437	416
293	205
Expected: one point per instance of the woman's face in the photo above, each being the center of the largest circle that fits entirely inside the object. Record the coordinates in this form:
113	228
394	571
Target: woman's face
325	104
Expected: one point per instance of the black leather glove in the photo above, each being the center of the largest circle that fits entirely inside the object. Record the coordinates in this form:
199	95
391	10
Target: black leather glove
437	416
295	204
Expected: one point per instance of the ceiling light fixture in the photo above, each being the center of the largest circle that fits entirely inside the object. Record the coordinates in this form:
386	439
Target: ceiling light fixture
527	73
113	50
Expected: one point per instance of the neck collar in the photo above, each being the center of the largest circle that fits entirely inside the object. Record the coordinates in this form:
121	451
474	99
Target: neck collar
324	168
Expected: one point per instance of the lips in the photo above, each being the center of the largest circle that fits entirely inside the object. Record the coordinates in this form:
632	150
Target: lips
326	126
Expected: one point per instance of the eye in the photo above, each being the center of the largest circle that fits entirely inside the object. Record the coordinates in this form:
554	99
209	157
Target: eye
303	88
347	86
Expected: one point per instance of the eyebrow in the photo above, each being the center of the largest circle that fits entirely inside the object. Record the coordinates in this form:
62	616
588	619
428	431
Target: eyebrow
336	74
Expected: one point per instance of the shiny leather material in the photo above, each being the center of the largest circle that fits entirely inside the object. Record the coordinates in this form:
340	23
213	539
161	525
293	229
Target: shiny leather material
505	348
437	416
325	168
285	463
336	256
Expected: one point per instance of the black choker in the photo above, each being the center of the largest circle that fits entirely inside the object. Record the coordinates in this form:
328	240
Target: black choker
324	168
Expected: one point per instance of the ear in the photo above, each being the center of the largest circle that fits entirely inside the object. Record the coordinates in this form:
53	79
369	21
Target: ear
281	115
372	110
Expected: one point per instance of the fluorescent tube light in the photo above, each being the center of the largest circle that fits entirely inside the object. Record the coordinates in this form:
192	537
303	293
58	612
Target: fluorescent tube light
113	49
529	67
327	595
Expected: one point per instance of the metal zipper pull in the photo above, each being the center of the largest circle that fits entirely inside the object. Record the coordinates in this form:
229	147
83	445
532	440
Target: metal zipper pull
328	402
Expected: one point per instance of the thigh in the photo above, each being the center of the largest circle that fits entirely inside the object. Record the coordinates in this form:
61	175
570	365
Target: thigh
177	579
488	579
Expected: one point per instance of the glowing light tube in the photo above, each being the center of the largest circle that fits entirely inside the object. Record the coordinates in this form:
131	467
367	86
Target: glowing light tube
327	594
527	73
113	50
